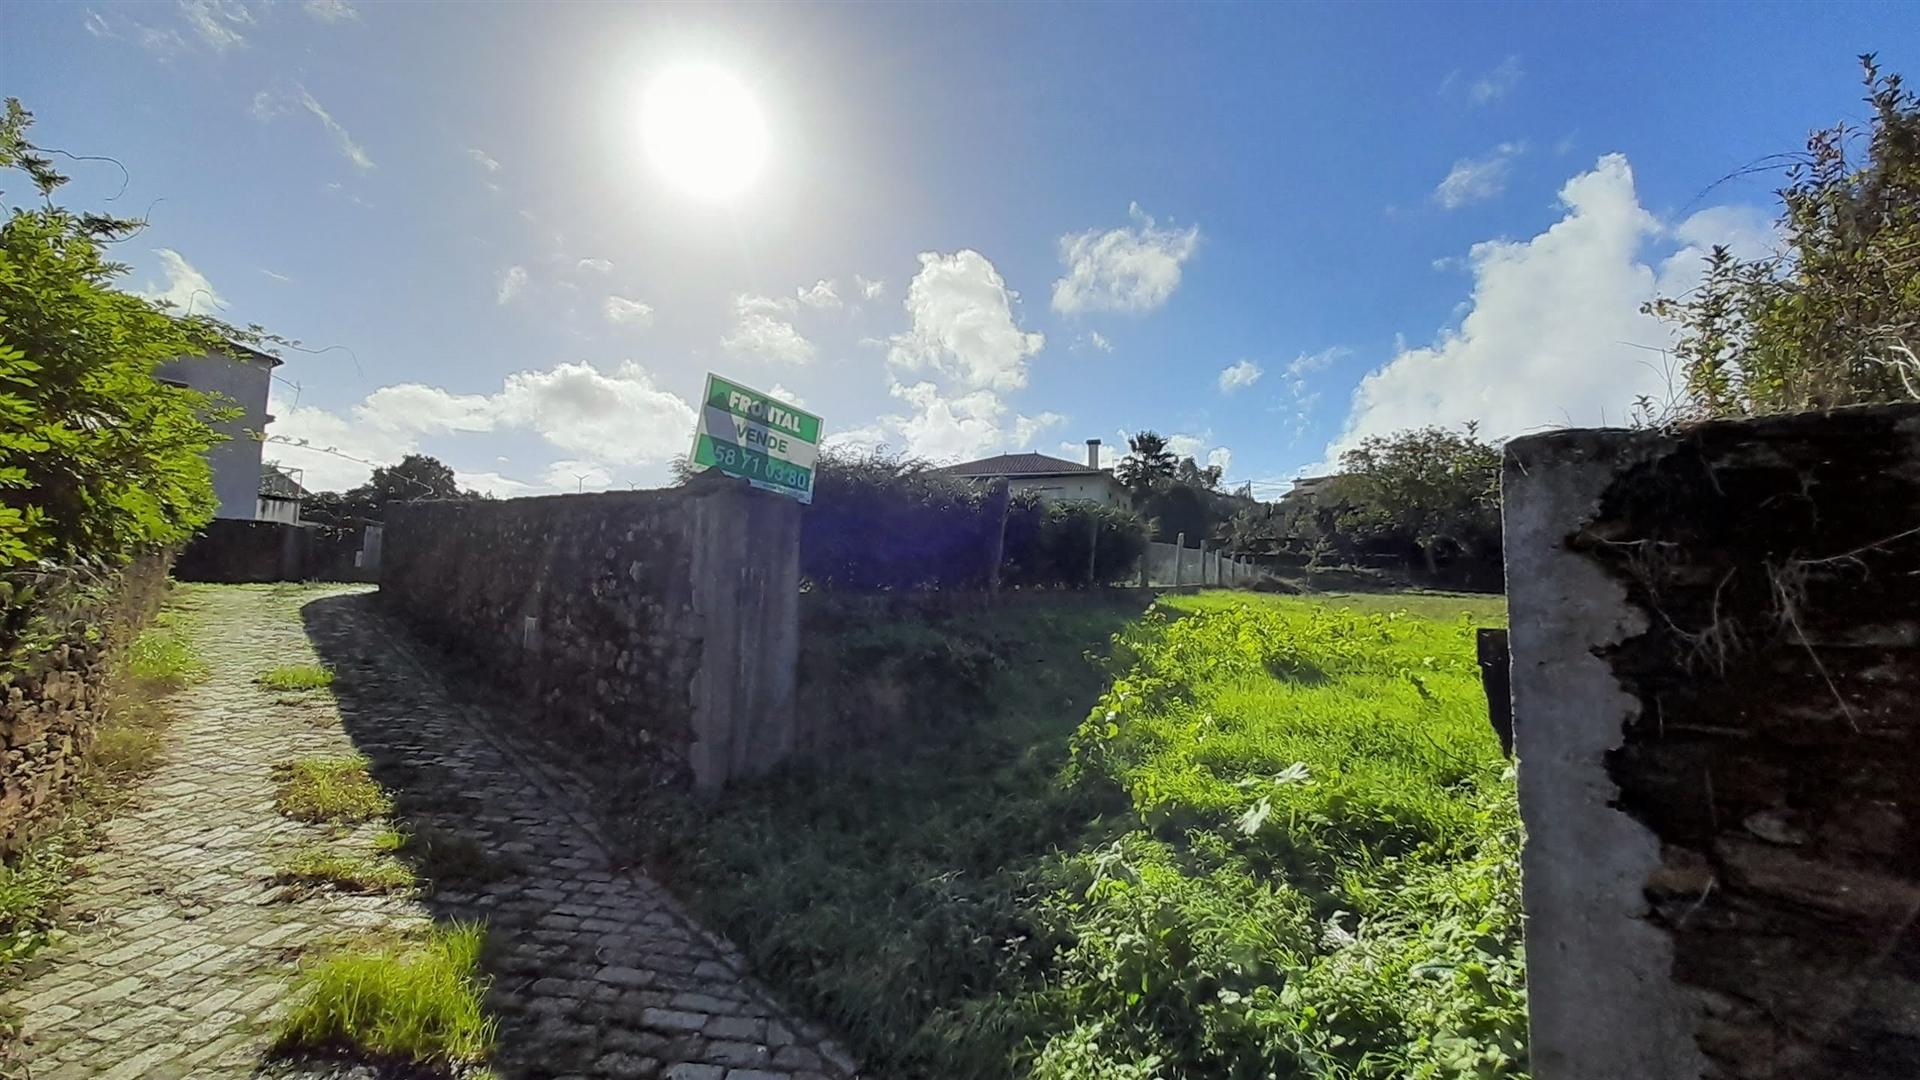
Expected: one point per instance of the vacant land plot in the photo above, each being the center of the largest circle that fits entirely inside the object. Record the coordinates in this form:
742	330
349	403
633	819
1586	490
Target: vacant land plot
1251	836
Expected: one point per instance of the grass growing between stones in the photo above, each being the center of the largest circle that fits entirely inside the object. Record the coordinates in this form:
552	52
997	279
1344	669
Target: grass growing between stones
1261	836
293	677
411	1001
335	789
322	866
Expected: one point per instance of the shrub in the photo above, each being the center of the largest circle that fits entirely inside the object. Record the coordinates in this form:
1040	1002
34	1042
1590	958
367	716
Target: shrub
337	789
98	460
418	1002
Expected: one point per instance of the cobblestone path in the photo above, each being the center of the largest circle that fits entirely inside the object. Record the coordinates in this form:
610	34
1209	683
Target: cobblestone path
595	970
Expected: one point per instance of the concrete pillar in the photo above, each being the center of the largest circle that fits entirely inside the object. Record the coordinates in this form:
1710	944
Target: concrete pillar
1179	558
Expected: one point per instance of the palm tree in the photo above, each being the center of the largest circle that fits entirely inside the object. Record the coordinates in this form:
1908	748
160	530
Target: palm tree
1148	462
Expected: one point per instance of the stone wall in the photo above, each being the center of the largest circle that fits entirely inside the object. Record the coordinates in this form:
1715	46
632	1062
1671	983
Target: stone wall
1716	687
61	634
235	551
655	629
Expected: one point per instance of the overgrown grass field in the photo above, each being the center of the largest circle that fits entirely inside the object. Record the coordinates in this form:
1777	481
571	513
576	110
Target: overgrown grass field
1248	836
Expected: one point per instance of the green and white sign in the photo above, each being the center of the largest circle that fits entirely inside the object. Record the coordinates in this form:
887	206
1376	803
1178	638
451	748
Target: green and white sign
768	442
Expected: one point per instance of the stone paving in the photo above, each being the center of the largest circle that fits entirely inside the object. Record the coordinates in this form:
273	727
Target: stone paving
596	971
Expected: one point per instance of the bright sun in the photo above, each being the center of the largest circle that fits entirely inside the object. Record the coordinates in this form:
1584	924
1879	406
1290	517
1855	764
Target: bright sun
703	130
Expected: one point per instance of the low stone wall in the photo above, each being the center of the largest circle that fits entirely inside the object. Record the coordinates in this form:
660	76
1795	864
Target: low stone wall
654	629
1715	645
61	634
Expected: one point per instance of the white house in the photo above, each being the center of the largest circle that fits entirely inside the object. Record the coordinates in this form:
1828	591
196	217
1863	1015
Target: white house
241	377
1053	479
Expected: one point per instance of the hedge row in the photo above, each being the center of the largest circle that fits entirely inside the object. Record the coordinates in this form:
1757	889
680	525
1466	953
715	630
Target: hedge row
879	522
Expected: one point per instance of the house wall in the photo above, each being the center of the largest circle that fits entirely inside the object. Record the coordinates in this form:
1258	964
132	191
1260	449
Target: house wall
1100	489
1716	706
236	462
658	630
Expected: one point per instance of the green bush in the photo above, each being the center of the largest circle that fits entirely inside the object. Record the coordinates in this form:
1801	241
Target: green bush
98	460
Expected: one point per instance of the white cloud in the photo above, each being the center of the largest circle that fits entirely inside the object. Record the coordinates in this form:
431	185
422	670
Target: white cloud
349	149
331	11
215	22
1126	269
567	475
512	280
1182	445
1308	363
1235	377
96	24
820	295
483	159
611	420
781	393
869	290
761	331
1476	179
494	484
1497	83
1222	457
1554	333
281	278
598	266
1098	341
186	288
619	309
961	324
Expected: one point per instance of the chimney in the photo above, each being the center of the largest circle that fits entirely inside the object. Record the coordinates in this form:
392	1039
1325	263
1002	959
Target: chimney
1093	453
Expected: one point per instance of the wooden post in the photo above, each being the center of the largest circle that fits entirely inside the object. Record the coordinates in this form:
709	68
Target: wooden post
1093	547
1179	558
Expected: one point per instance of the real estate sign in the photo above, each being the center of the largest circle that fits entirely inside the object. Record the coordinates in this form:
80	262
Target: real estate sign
747	434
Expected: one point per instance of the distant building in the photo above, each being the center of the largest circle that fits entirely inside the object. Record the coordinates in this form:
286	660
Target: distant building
280	495
1053	479
241	376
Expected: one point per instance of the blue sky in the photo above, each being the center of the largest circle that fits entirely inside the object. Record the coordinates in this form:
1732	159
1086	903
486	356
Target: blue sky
1268	230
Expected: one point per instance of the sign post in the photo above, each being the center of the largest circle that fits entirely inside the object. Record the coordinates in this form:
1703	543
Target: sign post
769	443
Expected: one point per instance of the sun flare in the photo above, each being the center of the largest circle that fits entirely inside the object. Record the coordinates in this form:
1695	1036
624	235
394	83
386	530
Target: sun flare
703	131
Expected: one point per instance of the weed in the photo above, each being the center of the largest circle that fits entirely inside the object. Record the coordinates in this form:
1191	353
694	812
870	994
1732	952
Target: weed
291	677
163	659
337	789
318	865
418	1001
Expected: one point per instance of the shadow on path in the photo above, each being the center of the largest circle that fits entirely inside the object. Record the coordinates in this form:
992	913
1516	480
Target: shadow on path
596	970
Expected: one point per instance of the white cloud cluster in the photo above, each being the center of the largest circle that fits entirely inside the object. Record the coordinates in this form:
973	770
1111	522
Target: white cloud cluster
869	290
623	311
1237	377
611	420
1133	268
1554	334
217	22
186	288
483	159
349	149
961	325
1474	180
1490	87
820	295
763	330
598	266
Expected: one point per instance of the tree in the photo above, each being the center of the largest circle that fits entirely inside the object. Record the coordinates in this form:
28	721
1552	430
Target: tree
1191	474
97	458
413	477
1147	465
1833	318
1426	487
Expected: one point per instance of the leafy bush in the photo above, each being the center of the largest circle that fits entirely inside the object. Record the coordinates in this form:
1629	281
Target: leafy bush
419	1002
98	460
881	522
1282	843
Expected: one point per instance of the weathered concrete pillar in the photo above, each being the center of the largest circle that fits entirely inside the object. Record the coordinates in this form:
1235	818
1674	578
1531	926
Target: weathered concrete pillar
1716	709
1179	558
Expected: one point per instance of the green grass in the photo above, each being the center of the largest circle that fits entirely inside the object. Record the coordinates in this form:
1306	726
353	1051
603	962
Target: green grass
336	789
1267	835
298	677
163	658
319	865
414	1001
